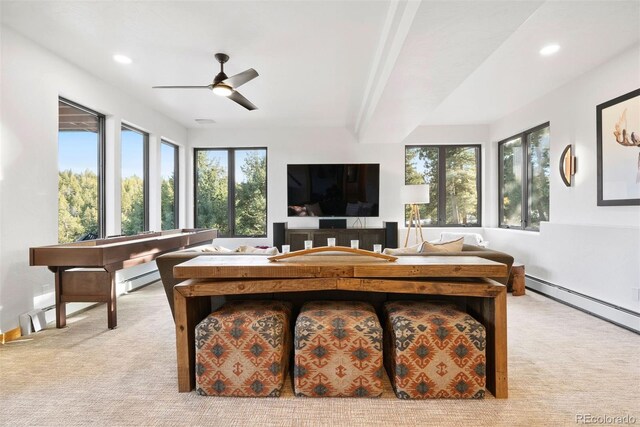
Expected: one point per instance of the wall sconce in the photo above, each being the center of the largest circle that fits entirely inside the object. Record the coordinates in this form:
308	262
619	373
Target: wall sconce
567	165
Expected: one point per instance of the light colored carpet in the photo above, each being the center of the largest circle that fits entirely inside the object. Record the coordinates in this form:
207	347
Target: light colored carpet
561	363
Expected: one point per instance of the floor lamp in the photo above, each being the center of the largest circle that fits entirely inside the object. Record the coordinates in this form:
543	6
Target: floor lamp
415	195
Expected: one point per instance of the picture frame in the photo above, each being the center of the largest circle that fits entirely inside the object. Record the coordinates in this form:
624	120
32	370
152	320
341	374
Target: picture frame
618	150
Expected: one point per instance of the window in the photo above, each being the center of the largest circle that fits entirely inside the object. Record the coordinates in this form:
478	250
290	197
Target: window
169	185
453	175
80	173
524	179
231	191
134	180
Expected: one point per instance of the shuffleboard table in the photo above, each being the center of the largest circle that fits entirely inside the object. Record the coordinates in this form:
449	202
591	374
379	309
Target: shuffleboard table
85	271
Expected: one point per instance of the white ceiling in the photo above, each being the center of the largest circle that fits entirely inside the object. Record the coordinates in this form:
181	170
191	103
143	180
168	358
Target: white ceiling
380	68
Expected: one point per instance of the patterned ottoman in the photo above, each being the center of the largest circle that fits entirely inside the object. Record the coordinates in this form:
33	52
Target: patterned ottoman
242	349
434	351
338	350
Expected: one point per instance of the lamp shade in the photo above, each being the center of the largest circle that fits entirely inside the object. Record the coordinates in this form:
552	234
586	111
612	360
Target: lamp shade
415	194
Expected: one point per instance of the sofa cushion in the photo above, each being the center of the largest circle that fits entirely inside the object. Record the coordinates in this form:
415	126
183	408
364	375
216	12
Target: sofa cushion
453	246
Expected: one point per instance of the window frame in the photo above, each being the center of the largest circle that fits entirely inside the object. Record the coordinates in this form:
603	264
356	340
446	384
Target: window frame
231	188
527	173
145	166
101	166
442	180
176	181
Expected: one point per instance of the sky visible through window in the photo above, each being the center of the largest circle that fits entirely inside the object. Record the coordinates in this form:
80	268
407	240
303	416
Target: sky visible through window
74	148
166	161
132	154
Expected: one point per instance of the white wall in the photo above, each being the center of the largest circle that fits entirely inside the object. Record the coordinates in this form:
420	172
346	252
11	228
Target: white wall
32	81
326	145
590	249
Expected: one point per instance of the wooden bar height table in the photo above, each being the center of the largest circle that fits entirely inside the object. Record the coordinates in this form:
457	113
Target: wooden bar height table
240	274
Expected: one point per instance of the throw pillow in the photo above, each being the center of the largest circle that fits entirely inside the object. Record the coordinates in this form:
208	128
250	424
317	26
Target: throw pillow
409	250
216	249
251	250
453	246
469	238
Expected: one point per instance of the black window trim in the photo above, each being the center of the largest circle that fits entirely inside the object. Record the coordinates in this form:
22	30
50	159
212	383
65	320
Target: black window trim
442	179
102	201
525	220
231	188
176	181
145	162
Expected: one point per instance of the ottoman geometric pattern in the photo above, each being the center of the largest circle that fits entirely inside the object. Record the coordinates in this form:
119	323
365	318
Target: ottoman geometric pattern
242	349
434	351
338	350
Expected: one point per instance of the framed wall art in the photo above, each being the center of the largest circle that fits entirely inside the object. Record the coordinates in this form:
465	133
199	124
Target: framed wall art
618	136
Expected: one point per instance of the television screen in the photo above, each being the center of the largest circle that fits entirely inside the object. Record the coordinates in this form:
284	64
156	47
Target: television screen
333	190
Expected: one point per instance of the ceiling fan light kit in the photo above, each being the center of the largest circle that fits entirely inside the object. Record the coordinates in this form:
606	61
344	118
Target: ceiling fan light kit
222	89
225	86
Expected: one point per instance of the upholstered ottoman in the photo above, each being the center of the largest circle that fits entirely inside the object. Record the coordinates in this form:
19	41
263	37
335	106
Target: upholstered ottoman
338	350
434	351
242	349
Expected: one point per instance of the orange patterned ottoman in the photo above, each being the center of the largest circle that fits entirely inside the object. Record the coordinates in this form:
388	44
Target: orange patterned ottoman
242	349
434	351
338	350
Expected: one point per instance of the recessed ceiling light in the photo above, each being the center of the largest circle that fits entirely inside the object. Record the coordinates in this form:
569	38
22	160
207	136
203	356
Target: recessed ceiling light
205	121
122	59
549	49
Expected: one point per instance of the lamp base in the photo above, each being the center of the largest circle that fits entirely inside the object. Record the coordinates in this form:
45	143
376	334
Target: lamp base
415	216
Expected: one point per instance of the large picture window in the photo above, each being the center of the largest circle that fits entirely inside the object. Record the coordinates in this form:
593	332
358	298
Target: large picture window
231	191
80	173
453	175
169	185
134	180
524	179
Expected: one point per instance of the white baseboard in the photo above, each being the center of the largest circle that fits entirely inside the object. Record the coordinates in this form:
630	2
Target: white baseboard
609	312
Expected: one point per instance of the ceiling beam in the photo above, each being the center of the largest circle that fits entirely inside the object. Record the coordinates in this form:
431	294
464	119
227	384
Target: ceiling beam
398	21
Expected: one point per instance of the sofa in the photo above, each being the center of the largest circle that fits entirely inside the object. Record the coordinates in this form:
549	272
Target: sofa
166	263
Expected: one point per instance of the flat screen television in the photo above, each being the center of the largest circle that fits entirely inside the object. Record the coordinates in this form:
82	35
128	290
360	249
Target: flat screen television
327	190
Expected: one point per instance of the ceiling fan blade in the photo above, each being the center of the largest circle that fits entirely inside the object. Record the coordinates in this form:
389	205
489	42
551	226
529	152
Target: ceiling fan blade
181	87
241	78
236	97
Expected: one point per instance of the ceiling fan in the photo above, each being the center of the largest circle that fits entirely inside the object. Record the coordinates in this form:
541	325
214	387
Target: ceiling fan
225	86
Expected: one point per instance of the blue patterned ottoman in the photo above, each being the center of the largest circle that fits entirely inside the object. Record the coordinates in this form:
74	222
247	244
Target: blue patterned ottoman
338	350
434	351
242	349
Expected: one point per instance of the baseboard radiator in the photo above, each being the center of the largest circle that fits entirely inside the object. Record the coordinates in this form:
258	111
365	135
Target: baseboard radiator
619	316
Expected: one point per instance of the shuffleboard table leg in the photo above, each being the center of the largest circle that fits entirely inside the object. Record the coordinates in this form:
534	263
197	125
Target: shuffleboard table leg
61	307
112	313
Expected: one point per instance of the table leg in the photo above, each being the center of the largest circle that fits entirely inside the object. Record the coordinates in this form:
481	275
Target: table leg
112	314
188	313
61	307
492	313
